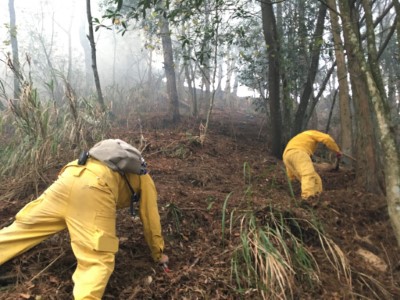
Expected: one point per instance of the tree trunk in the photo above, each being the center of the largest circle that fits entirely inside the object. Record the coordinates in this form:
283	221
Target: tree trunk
385	134
227	96
205	68
69	36
218	92
346	135
169	70
299	121
287	101
373	59
366	166
272	42
328	123
86	50
235	83
190	72
94	62
397	111
192	90
397	8
14	48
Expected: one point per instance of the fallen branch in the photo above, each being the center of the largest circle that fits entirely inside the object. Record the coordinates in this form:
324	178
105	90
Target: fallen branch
48	266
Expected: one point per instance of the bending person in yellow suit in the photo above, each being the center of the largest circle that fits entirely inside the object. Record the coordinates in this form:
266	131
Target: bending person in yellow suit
84	200
297	159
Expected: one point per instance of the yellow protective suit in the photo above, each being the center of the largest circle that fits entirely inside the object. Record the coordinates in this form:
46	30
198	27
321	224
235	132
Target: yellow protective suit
84	200
297	159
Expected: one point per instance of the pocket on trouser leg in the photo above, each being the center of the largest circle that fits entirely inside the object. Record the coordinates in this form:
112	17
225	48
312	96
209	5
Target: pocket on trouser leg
102	241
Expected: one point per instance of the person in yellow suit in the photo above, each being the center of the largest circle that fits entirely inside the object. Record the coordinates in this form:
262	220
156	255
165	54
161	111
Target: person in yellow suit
84	200
297	159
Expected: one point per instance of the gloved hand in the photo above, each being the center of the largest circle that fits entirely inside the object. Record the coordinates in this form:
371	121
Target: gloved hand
339	155
163	259
163	262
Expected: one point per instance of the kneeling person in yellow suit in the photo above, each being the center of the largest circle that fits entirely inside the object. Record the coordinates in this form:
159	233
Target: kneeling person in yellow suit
84	200
297	159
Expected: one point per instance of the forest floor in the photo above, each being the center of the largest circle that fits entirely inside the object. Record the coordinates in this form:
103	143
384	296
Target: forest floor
202	186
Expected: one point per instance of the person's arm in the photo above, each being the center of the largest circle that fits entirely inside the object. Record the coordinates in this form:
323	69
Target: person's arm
328	141
148	212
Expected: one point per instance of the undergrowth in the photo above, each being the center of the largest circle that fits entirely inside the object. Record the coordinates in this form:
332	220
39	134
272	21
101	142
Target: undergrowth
36	132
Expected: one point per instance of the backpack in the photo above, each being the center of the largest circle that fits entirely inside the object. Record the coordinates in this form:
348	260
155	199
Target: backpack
121	157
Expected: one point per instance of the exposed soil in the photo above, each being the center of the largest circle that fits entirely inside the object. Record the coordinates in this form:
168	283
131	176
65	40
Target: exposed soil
233	168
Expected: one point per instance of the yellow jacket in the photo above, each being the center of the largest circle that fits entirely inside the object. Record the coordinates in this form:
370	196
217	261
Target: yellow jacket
308	140
143	185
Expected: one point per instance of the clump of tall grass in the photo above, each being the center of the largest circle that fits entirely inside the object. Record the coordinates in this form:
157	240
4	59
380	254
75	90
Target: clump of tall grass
273	258
175	214
35	133
28	124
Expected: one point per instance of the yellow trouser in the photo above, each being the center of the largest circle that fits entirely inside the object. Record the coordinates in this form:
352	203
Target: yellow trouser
299	165
81	202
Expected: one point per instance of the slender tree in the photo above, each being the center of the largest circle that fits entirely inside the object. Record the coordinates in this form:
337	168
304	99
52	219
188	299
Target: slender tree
189	71
365	150
272	42
14	48
299	121
87	55
346	135
384	132
169	69
100	98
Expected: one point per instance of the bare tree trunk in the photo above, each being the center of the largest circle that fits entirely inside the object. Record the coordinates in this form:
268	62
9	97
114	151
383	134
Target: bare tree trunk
150	64
328	123
346	135
14	48
94	62
227	90
373	59
299	121
206	70
215	61
366	166
272	42
86	50
69	71
218	92
169	70
397	106
235	83
192	91
319	95
385	135
56	91
287	101
190	72
68	33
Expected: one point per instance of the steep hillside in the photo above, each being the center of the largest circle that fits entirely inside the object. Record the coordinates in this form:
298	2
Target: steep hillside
206	197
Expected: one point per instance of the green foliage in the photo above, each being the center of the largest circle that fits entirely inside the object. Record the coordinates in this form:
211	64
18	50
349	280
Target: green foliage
262	262
272	257
175	215
246	173
247	180
224	216
210	202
